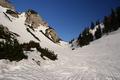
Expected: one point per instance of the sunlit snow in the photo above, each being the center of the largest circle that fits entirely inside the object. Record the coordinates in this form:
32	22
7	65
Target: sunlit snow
98	61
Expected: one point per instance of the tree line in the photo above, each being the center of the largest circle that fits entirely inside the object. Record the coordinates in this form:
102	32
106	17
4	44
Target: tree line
111	23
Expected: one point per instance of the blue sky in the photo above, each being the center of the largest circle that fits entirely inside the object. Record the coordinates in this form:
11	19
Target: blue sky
68	17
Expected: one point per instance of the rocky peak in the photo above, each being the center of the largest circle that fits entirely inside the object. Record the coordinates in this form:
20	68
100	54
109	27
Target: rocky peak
6	4
33	19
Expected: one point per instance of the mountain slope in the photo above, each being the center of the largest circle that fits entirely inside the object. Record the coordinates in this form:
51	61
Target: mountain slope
97	61
18	26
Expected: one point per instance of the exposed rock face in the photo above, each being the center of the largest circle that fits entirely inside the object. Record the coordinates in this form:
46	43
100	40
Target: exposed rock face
6	4
33	19
51	32
13	13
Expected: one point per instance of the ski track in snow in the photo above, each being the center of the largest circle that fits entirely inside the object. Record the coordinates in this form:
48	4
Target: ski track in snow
97	61
77	67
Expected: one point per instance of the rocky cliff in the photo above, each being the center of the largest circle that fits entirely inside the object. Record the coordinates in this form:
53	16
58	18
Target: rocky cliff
6	4
33	19
52	34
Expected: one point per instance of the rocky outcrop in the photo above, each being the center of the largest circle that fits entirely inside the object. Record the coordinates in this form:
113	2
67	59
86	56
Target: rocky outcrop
33	19
6	4
51	33
13	13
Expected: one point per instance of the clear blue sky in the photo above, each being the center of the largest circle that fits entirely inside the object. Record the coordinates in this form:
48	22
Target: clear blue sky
68	17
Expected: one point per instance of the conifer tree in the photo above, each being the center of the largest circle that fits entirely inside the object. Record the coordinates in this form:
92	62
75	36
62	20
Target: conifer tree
80	41
98	33
85	35
118	15
114	22
91	37
106	23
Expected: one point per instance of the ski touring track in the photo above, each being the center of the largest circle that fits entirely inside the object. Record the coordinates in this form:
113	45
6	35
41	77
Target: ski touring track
74	67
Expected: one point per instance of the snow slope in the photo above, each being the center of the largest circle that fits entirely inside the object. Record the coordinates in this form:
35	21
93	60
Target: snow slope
97	61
